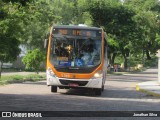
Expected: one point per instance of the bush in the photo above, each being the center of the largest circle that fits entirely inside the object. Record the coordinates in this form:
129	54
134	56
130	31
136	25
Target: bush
33	59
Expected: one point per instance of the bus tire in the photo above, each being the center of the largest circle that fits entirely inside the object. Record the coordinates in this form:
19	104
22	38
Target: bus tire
98	91
53	88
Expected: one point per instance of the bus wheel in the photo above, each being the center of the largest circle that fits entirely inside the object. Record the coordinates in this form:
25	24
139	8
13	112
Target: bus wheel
53	88
98	91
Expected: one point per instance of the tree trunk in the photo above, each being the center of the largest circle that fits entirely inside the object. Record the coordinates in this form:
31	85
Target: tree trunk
148	55
113	58
125	63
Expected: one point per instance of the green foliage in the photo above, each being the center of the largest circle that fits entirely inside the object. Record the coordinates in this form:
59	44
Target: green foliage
131	26
36	22
119	60
117	20
22	2
145	18
151	63
36	19
158	39
9	25
30	20
33	59
9	43
113	48
9	48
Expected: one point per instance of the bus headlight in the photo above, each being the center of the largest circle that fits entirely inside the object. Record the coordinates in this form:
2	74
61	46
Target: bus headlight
50	72
98	74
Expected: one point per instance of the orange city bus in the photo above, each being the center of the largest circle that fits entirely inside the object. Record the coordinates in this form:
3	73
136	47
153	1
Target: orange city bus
76	58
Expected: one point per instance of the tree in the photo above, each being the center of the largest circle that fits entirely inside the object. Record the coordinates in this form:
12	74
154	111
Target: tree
33	59
117	20
113	48
146	12
158	40
9	43
38	16
36	19
9	50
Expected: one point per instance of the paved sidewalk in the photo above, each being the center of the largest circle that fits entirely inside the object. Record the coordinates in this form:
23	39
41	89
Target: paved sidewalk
150	87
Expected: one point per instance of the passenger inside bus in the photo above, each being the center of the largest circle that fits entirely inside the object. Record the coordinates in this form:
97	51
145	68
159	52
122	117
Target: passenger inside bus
89	53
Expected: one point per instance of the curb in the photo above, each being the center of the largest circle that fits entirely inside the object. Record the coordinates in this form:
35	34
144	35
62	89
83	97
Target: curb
146	91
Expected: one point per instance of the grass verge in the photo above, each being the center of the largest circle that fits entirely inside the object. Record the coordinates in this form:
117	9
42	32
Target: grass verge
21	78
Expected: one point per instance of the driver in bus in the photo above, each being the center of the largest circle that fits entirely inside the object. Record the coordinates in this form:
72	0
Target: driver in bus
61	51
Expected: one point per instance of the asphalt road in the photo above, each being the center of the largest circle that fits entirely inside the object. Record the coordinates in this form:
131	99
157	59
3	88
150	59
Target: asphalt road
119	95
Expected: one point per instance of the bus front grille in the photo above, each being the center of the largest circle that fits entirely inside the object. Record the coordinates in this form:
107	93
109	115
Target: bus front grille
67	82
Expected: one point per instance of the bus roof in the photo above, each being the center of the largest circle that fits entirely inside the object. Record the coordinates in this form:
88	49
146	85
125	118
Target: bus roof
77	27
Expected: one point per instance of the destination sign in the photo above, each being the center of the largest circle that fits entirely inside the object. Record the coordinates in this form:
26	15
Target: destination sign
77	32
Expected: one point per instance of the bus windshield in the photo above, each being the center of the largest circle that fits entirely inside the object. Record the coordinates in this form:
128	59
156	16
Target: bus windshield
75	52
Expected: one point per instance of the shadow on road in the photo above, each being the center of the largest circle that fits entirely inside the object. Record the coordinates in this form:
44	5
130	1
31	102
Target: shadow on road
75	101
108	93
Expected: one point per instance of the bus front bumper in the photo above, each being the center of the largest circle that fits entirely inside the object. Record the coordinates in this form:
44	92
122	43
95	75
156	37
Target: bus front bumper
52	80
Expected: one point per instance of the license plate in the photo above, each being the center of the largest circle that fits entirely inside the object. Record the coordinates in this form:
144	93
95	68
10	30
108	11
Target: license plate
73	84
